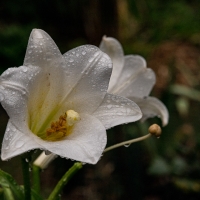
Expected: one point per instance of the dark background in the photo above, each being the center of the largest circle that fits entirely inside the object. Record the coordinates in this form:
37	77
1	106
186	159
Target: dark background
167	35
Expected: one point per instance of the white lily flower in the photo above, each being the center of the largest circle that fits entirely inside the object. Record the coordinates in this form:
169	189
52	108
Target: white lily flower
59	103
132	79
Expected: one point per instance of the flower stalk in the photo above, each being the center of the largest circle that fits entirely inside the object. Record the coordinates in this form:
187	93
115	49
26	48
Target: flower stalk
26	177
64	180
128	142
154	130
36	178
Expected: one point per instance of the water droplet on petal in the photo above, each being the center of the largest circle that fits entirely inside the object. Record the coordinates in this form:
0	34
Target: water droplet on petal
1	97
110	65
90	59
19	143
25	69
109	106
71	60
96	54
83	52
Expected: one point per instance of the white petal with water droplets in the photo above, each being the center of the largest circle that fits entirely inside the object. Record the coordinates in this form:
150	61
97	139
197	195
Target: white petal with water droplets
132	78
88	77
86	143
114	49
41	50
15	86
152	107
116	110
136	80
16	142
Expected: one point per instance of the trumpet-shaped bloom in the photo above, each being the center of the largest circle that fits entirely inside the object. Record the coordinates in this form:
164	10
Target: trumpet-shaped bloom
132	79
60	103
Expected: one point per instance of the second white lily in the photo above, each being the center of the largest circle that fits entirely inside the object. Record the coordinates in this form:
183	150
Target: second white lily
132	79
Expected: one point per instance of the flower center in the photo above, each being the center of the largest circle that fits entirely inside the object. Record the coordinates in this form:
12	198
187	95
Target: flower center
62	127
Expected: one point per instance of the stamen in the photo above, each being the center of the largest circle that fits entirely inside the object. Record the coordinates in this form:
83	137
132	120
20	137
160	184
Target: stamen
153	130
63	127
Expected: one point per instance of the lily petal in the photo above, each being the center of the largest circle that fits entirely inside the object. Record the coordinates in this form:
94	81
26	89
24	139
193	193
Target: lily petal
88	77
15	87
116	110
135	80
41	50
85	144
150	107
15	142
114	49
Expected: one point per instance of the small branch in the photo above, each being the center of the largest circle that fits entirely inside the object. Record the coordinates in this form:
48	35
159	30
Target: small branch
128	142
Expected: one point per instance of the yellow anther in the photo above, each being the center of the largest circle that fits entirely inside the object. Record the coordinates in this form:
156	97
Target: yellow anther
63	127
72	117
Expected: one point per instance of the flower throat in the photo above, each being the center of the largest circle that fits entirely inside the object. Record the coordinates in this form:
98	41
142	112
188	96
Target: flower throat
62	127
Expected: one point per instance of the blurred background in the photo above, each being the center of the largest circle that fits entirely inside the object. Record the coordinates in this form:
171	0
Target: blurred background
167	35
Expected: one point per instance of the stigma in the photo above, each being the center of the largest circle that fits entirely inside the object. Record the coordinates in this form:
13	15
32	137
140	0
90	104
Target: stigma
62	127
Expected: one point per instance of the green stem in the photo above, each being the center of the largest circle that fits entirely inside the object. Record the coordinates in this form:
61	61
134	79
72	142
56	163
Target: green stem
64	180
26	177
36	178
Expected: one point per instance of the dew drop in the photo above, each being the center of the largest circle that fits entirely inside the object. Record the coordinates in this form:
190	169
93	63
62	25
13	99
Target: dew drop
127	145
110	65
71	60
109	106
96	54
19	144
90	59
2	87
25	69
1	97
83	52
6	147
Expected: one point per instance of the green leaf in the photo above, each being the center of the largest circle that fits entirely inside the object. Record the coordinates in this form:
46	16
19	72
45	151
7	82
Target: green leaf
8	195
7	182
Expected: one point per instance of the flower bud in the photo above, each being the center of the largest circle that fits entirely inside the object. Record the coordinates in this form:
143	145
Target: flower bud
155	130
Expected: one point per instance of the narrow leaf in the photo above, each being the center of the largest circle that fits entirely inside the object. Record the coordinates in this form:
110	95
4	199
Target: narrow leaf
7	181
